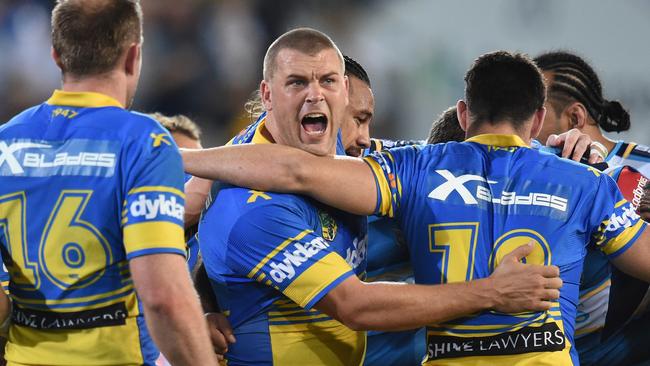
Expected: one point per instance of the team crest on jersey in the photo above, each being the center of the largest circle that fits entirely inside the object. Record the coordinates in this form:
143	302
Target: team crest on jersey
328	224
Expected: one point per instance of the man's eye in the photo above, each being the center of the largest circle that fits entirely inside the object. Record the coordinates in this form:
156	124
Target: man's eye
297	82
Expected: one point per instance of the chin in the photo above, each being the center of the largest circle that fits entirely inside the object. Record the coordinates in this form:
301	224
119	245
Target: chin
320	149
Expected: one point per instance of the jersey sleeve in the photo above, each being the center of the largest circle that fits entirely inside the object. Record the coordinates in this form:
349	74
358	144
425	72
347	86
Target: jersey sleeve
391	169
154	202
617	225
273	245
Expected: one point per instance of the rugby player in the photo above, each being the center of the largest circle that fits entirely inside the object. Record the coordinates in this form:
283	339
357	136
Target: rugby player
289	269
461	204
187	135
575	100
91	210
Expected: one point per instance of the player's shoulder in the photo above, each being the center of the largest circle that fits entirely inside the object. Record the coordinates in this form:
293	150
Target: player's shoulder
24	118
640	152
133	124
562	168
237	212
254	203
448	150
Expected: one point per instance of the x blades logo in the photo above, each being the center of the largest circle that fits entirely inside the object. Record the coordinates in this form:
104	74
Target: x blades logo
7	154
456	184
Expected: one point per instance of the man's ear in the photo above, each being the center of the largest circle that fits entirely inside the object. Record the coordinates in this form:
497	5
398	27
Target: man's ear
577	115
538	122
461	113
132	58
347	89
56	58
265	95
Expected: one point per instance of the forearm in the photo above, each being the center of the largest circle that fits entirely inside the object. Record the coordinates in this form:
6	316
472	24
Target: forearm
394	306
181	333
171	309
344	183
196	192
246	166
204	289
400	306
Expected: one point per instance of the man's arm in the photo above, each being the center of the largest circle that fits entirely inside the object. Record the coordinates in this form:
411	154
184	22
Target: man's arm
342	182
221	333
196	192
513	287
171	309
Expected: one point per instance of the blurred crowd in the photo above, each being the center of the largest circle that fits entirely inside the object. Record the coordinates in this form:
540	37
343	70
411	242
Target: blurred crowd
195	62
203	57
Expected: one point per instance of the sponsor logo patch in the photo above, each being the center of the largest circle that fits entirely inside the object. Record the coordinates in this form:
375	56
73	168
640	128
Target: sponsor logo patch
484	193
152	207
294	257
622	219
106	316
546	338
48	158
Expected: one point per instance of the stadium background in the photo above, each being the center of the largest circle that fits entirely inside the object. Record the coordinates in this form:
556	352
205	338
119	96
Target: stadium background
203	57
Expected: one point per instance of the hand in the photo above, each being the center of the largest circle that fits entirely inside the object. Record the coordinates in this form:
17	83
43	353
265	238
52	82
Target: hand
578	143
220	333
524	287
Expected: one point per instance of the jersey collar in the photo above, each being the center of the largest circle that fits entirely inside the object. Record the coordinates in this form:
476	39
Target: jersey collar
258	136
498	140
82	99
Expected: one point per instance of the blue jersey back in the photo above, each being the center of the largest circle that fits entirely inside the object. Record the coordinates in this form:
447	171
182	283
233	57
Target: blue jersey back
86	186
270	258
464	206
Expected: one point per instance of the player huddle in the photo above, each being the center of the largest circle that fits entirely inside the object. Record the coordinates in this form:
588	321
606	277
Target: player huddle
479	247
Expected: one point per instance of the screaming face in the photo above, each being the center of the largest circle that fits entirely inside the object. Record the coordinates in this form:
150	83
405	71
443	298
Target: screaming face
305	99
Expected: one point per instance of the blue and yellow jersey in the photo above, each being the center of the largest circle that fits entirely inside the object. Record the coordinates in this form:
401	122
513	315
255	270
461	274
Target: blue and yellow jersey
464	206
86	186
630	154
609	298
388	260
270	258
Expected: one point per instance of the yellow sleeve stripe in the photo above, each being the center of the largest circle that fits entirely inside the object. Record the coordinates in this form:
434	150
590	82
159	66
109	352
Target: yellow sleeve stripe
399	182
316	278
275	251
620	203
157	189
152	235
385	206
621	240
596	291
628	151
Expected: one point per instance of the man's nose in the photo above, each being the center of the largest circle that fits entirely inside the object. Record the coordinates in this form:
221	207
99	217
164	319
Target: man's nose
315	93
364	136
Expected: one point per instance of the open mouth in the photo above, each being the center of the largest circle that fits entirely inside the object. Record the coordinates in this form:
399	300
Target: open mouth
314	124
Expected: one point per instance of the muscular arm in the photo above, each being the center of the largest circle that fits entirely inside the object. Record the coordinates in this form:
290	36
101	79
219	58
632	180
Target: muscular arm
171	309
513	287
341	182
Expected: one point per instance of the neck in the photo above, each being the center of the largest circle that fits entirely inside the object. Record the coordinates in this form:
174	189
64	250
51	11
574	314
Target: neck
594	132
498	129
109	84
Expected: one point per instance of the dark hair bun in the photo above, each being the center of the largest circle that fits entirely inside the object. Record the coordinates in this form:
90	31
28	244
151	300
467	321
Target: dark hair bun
614	117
